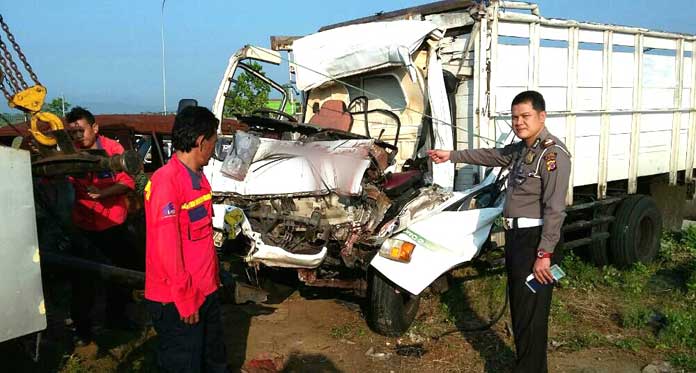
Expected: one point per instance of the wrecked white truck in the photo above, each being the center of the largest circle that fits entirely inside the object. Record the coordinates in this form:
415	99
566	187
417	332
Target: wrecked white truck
346	195
352	204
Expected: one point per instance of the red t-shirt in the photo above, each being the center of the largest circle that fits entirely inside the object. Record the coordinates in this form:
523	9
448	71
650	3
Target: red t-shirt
181	265
100	214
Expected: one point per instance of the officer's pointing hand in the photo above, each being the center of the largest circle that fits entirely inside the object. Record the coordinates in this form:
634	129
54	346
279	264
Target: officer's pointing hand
542	270
439	156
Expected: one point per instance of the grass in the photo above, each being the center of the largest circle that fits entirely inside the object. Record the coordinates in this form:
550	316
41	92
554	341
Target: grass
347	331
654	305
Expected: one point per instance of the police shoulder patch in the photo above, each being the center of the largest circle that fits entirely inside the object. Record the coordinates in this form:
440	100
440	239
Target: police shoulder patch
550	159
549	142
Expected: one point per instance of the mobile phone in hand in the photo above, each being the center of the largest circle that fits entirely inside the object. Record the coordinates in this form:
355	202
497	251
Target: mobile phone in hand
533	284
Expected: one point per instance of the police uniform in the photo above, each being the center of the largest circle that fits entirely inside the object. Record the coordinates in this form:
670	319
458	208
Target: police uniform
533	216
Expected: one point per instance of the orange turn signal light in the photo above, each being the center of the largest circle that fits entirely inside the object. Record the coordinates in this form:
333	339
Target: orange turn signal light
397	250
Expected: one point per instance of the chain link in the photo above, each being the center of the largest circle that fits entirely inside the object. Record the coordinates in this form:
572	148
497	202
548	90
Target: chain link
4	90
18	50
11	68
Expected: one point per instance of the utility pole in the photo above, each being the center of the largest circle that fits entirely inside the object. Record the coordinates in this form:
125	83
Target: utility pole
62	103
164	73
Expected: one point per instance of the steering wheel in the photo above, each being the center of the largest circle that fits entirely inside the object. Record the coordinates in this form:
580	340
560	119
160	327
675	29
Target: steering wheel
280	113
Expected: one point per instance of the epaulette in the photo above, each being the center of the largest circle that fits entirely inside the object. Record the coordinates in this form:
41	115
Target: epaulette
548	143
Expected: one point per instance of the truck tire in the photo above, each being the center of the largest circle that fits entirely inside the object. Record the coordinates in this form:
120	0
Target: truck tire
599	250
391	310
635	234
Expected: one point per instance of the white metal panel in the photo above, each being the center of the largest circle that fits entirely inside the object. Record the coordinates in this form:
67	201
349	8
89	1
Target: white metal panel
587	126
589	98
555	98
519	30
21	293
512	65
686	98
557	126
654	149
623	39
606	119
619	147
659	71
504	96
553	67
659	43
688	74
658	98
534	53
571	98
683	143
636	117
554	33
589	68
589	36
586	157
622	70
676	119
621	99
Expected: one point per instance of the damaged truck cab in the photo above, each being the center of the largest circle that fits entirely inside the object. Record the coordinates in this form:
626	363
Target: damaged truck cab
347	198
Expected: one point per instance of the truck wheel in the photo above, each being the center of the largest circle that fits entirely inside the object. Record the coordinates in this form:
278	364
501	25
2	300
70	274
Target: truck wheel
635	234
599	250
391	309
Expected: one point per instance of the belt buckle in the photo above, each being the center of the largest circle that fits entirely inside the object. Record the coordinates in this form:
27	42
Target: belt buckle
506	225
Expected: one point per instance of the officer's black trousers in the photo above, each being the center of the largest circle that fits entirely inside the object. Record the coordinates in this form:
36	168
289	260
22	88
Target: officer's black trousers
189	348
529	311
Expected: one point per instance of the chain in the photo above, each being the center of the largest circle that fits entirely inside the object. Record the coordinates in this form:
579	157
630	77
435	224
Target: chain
10	67
17	49
4	90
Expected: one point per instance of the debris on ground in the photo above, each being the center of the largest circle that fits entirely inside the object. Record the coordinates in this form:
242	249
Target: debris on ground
658	367
413	350
264	363
377	355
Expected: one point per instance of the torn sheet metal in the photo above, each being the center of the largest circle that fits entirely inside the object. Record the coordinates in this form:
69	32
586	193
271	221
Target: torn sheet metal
260	252
443	173
292	167
443	241
353	49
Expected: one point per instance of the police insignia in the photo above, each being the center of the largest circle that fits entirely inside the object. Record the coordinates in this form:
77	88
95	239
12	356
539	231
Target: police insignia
529	157
168	210
550	159
549	142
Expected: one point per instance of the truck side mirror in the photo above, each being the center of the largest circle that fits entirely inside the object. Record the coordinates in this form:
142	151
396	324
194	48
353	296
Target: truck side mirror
186	102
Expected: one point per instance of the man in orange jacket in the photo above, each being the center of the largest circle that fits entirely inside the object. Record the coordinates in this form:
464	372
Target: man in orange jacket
181	266
99	213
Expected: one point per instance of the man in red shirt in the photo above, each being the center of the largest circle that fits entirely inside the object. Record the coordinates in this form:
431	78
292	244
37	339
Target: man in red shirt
181	266
99	211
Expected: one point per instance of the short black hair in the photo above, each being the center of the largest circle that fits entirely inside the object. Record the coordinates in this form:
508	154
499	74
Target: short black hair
78	113
190	123
533	97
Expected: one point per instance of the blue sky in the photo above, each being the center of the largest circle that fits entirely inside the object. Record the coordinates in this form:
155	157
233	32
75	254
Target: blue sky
106	55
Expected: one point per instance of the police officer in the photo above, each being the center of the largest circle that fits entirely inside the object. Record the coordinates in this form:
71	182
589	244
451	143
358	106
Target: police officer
539	167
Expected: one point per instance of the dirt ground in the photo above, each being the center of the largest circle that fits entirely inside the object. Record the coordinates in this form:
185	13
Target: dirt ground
320	330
